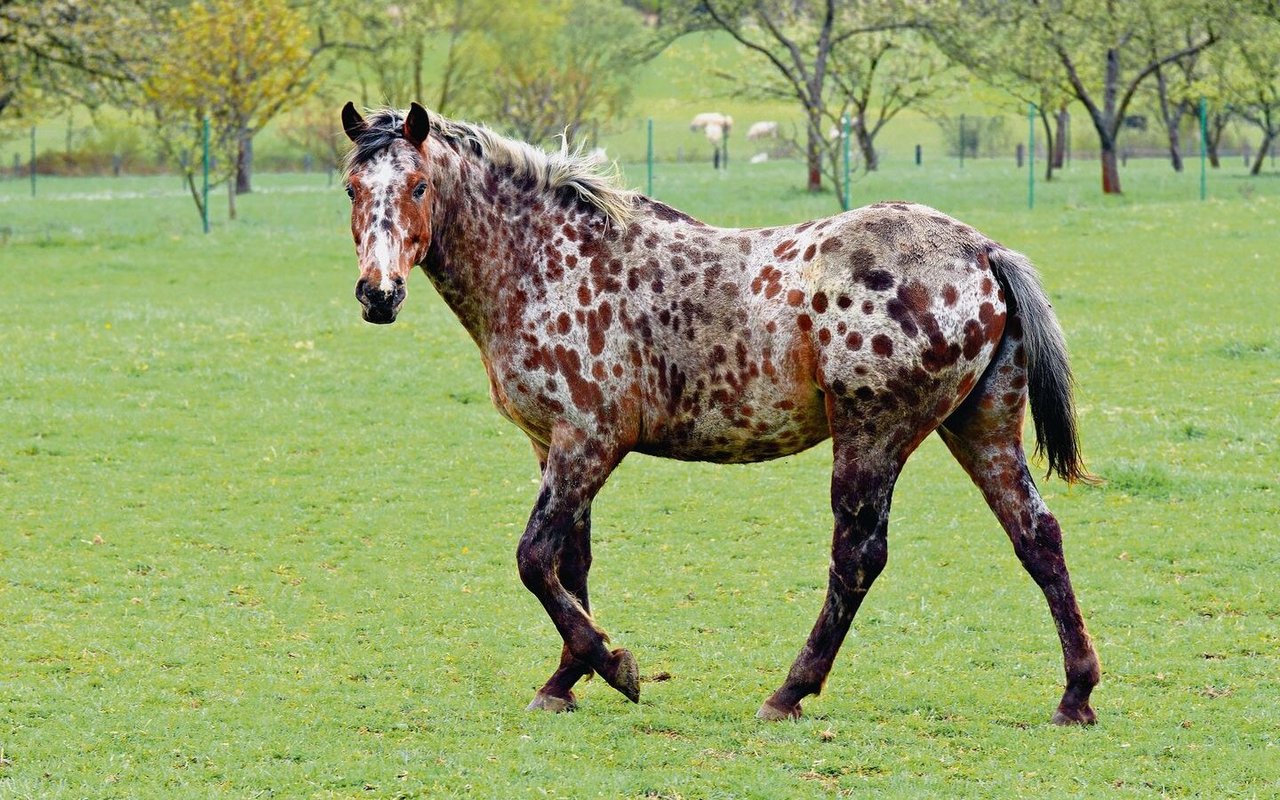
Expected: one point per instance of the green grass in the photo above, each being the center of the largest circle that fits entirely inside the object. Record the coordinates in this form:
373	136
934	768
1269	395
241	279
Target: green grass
251	546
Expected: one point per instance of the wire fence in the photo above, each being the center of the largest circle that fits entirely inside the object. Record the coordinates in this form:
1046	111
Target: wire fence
71	149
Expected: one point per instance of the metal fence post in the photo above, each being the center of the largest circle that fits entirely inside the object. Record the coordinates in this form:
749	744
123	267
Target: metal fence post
1204	148
844	125
649	158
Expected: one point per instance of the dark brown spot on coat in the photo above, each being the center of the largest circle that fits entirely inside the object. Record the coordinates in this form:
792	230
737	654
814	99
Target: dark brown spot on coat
861	259
877	280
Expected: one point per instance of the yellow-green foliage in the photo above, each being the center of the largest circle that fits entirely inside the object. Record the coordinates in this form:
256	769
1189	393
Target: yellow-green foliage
237	63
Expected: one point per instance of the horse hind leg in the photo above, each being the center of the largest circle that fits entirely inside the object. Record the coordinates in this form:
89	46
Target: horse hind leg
861	491
985	436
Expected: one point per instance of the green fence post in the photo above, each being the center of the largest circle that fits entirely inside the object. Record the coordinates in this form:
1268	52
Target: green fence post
1204	148
844	125
205	202
962	141
649	158
1031	155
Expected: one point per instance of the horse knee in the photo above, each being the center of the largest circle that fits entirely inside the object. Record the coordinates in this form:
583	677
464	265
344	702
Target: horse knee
856	563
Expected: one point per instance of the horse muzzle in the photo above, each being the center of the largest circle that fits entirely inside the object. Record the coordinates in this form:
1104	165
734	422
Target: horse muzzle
378	305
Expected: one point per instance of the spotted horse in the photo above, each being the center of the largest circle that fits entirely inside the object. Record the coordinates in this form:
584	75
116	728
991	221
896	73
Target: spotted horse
611	323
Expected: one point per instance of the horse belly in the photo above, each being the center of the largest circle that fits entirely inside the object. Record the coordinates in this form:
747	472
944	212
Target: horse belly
754	421
767	434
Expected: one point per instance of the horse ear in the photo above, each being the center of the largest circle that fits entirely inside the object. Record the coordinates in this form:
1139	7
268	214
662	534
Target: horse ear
417	124
352	122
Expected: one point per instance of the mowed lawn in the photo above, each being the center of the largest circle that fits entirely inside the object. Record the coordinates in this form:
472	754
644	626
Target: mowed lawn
253	547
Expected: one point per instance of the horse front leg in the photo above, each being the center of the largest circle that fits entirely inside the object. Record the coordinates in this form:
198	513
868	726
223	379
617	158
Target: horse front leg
557	693
554	558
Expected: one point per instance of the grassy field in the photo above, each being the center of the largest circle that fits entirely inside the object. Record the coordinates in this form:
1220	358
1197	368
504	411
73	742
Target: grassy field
253	547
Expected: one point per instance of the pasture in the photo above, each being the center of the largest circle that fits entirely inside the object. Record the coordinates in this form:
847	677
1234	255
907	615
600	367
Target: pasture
251	546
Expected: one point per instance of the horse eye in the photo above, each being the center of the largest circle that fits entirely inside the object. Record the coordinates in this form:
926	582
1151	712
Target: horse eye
351	192
419	191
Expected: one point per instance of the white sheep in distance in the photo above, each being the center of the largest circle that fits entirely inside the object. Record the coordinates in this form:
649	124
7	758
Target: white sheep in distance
701	121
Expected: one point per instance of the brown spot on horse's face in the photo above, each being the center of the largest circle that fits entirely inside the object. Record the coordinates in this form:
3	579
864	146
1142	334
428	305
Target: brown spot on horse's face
391	197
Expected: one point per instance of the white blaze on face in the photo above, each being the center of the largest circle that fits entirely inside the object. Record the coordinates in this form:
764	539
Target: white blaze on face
381	244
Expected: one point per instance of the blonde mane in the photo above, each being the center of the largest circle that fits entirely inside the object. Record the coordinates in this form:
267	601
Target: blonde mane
552	172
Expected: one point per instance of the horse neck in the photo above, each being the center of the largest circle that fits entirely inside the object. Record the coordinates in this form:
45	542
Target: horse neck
491	231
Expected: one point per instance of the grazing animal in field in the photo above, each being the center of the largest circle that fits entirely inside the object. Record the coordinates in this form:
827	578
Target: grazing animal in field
716	128
610	323
701	121
762	130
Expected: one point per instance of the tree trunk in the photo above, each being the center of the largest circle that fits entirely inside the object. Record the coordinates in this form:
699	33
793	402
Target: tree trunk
1262	153
1050	144
1110	169
1216	129
814	156
1175	150
870	158
244	165
195	193
1171	113
1059	159
231	200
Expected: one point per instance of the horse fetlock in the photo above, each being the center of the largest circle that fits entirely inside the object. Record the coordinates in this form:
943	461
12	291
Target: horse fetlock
622	672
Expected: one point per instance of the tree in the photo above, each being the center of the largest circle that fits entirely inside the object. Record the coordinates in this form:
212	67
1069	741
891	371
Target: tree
877	75
576	58
1103	51
236	63
1175	90
797	40
1250	71
1022	67
61	48
1107	50
391	43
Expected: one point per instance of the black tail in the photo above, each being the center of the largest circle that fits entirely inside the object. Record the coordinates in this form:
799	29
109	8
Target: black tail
1049	381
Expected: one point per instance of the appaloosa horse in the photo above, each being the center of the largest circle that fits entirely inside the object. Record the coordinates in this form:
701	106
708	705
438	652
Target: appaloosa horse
610	323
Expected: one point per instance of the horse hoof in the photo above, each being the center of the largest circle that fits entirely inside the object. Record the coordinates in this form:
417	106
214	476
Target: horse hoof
771	713
624	674
1075	716
549	702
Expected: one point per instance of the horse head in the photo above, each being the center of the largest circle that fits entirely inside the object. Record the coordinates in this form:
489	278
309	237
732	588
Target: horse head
391	195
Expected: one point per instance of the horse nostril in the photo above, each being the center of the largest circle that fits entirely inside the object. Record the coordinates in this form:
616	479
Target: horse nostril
362	288
398	280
